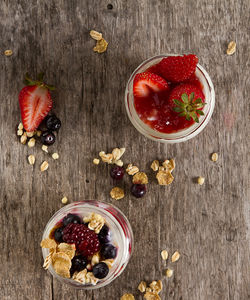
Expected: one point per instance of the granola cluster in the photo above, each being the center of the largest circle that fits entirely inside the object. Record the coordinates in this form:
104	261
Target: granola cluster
164	172
95	222
114	157
101	43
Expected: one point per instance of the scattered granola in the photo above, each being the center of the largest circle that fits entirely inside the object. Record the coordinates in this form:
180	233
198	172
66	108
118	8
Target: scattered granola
55	155
169	165
101	46
117	193
119	163
151	296
142	286
175	256
19	132
169	273
156	286
132	170
107	158
214	157
155	165
95	35
23	139
8	52
30	134
164	177
114	157
164	254
64	200
231	48
200	180
31	159
20	126
95	222
45	148
127	297
96	161
44	166
140	178
31	142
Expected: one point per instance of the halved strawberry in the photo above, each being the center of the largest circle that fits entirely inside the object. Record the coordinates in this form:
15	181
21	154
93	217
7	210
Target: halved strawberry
35	103
143	82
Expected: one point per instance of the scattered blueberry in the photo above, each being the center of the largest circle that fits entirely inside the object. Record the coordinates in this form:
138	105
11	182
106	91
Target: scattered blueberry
117	172
53	123
104	235
48	138
71	218
100	270
109	251
58	234
138	190
79	263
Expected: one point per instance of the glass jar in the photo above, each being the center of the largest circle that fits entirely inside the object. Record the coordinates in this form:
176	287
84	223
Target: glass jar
121	234
182	135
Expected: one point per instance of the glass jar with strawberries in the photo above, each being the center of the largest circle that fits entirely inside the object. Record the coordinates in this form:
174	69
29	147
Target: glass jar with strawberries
170	98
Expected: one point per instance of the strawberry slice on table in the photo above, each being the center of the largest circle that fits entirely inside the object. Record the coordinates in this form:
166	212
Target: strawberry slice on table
35	102
178	68
144	82
187	100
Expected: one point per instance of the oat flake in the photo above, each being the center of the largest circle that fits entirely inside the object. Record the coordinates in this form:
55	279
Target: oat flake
155	165
44	166
95	35
117	193
164	254
175	256
101	46
127	297
142	286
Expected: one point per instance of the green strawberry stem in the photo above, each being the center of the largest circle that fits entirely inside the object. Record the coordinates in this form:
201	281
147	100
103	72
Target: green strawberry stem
189	107
38	82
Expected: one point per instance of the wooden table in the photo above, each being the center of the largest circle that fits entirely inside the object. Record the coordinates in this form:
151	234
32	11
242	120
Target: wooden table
207	224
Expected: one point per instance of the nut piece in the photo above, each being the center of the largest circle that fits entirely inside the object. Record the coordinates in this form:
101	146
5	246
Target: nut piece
175	256
119	163
30	134
164	254
140	178
45	148
132	170
31	159
55	155
156	286
20	126
8	52
95	35
19	132
101	46
169	165
23	139
142	286
44	166
31	142
164	177
151	296
169	273
64	200
107	158
200	180
127	297
96	161
155	165
231	48
117	193
117	153
214	157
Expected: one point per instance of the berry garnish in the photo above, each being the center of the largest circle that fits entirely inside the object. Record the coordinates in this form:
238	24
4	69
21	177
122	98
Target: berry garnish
58	235
100	270
79	263
53	123
104	235
117	172
187	100
143	82
71	218
48	138
138	190
178	68
108	251
85	240
35	102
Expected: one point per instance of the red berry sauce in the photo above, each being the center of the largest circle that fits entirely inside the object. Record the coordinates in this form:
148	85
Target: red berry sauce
156	111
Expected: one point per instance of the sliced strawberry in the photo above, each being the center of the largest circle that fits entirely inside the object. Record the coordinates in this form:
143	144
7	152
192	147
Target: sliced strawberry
143	82
178	68
35	103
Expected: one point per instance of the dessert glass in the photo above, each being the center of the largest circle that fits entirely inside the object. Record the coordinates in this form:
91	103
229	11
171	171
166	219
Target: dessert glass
121	233
182	135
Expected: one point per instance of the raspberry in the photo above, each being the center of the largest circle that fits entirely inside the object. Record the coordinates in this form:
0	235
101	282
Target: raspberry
178	68
85	240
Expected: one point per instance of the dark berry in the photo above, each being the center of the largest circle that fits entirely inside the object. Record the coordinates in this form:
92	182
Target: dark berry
48	138
58	235
85	240
138	190
71	218
109	251
100	270
117	172
53	123
104	235
79	263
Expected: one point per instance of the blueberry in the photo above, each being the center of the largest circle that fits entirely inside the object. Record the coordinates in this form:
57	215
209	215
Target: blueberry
53	123
58	234
48	138
79	263
109	251
100	270
138	190
104	235
117	172
70	218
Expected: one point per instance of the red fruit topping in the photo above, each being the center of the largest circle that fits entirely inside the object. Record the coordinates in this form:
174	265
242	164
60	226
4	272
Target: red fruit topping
85	240
178	68
35	103
143	82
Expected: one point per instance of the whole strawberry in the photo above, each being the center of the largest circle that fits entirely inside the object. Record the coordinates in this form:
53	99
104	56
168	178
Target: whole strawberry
178	68
188	101
35	102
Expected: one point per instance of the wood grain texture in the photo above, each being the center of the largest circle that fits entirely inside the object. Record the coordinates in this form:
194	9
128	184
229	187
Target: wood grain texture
207	224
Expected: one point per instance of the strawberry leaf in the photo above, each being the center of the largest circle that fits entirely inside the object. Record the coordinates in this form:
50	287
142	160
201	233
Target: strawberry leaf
178	109
200	112
184	98
178	102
